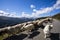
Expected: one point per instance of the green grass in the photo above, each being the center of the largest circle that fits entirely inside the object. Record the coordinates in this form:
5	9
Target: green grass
4	36
1	37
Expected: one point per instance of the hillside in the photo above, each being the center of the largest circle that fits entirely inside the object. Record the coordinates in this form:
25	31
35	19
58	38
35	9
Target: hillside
9	21
57	16
41	18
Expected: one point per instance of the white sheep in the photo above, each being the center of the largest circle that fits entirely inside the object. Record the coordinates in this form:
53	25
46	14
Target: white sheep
9	28
28	27
47	30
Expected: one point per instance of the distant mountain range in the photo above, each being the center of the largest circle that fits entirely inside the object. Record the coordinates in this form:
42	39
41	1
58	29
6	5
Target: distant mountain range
9	21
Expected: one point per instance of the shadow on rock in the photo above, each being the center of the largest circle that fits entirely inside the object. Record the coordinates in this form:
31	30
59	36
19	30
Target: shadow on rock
34	34
37	28
55	36
42	26
17	37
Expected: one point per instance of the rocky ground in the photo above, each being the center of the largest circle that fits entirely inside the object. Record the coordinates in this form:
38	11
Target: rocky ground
38	35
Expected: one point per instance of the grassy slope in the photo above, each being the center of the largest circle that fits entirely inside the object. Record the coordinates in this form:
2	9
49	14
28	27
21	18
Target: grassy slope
57	16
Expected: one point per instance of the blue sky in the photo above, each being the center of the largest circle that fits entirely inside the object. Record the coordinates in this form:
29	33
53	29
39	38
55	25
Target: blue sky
29	8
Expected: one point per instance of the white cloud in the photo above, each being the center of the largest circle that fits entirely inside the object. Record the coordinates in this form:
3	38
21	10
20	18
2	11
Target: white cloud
32	6
3	13
46	10
35	12
57	5
25	15
34	15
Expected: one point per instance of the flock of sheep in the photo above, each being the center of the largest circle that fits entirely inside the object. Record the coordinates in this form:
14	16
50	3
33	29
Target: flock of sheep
28	26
